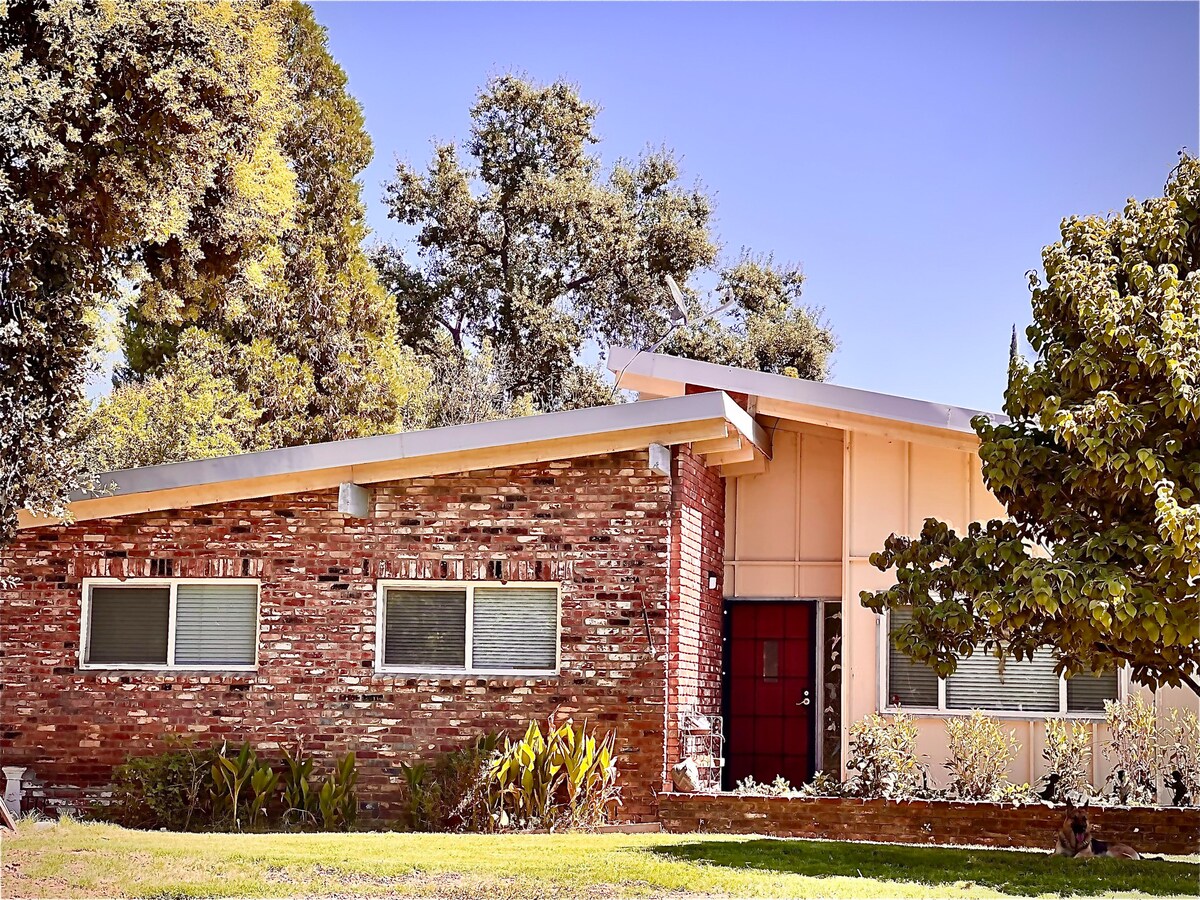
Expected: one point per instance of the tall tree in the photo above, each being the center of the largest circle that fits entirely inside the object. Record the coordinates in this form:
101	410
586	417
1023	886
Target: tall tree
530	246
768	328
324	333
1099	467
138	144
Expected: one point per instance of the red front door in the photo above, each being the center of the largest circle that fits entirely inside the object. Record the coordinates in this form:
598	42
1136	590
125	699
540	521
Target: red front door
772	697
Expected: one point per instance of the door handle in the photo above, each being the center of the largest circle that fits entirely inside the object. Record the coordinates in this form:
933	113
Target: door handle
805	701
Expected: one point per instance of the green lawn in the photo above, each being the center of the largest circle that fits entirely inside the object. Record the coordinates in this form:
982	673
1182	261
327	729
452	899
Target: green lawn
76	860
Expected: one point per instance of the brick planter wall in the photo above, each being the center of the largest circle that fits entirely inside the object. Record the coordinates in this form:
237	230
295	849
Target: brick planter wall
601	526
1146	829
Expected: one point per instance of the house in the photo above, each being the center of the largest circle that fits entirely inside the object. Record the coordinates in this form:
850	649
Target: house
684	564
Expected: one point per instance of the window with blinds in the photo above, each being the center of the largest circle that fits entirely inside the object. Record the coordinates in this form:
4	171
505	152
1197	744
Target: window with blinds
909	683
470	628
1029	686
184	624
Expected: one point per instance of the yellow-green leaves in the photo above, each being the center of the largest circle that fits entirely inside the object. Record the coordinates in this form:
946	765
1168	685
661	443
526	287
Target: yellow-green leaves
1099	467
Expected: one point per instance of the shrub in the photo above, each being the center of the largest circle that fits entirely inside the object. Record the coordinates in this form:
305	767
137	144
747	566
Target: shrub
337	799
980	752
563	778
824	784
439	796
300	803
229	788
883	758
1133	748
1180	746
748	787
1068	754
242	788
172	789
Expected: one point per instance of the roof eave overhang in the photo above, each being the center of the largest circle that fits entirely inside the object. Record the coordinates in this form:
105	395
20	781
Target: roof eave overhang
818	403
464	448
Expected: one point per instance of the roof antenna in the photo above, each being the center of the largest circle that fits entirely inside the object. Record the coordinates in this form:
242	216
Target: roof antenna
679	317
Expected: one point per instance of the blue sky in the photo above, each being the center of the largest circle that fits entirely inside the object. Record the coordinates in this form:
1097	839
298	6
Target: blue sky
914	158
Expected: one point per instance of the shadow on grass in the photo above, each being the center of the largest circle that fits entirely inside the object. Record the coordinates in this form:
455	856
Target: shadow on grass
1007	871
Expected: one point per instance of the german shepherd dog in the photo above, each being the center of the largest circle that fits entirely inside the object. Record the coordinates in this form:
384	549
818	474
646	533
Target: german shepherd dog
1075	838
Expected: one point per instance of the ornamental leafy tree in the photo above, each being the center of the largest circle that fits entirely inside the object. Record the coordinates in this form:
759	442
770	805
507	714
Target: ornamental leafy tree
137	147
322	355
1099	467
526	243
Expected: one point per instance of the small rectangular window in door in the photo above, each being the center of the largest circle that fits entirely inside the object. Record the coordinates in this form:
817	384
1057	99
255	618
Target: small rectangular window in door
770	660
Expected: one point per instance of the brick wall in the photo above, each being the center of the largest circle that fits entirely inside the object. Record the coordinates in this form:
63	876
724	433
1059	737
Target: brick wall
697	551
1146	829
601	526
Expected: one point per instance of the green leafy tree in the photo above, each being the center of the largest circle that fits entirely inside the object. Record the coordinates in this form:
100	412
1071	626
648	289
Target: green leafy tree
138	145
768	328
526	243
190	411
322	331
1099	467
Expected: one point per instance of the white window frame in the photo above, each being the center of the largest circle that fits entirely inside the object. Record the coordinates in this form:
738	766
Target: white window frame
173	585
883	633
457	587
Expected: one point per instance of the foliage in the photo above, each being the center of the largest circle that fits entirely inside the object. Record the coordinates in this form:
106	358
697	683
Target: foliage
980	752
231	776
1099	467
300	804
883	759
439	797
137	148
230	788
1179	743
337	798
1132	747
471	386
748	787
312	352
525	242
190	411
1067	753
771	329
172	789
824	784
565	777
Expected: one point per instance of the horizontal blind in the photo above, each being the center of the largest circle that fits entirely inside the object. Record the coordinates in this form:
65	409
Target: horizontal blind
425	629
129	625
515	628
1030	685
910	683
1087	692
216	624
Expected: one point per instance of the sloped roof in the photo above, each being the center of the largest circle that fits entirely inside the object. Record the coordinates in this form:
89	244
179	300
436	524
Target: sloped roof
712	417
657	374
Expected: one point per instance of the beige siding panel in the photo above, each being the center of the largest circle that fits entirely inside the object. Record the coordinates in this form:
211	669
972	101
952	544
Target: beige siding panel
771	580
819	580
984	505
939	487
821	500
767	505
878	482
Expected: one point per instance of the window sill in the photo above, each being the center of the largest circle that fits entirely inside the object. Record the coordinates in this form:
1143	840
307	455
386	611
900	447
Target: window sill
168	670
1017	715
469	673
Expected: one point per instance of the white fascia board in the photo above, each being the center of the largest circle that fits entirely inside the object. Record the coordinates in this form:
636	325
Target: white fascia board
433	442
661	369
